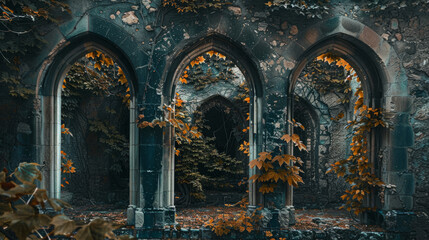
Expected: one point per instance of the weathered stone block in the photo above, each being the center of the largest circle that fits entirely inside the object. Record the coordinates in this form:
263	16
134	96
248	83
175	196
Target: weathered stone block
402	135
370	37
398	159
266	217
402	103
206	233
262	50
404	182
402	202
330	25
351	25
293	51
153	218
247	37
139	218
184	233
150	157
284	218
131	215
170	216
194	234
398	221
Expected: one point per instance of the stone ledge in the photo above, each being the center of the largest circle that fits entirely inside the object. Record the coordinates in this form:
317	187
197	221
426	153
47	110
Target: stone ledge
205	233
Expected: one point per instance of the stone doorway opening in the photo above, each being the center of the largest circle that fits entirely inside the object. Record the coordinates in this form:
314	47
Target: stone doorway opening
213	97
332	100
95	101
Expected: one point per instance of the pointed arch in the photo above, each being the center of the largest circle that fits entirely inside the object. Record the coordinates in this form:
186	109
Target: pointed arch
247	65
48	126
383	80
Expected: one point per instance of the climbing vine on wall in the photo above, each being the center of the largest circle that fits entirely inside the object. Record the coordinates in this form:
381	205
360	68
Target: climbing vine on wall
357	169
97	74
206	69
275	166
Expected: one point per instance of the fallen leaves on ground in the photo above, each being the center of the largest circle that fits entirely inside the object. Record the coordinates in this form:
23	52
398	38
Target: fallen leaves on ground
85	214
196	217
328	218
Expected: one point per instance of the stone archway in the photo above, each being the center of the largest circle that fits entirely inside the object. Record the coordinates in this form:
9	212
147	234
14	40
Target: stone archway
248	68
383	85
49	123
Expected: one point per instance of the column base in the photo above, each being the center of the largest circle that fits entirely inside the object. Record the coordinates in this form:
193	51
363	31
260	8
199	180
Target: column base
153	218
131	215
139	218
170	215
278	218
398	221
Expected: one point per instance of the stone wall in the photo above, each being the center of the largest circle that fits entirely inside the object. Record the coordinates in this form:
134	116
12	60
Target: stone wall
269	44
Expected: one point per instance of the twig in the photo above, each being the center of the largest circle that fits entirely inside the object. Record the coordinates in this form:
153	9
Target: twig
4	56
28	201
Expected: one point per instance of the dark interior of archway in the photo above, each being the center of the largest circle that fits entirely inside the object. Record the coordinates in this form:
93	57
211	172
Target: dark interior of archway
308	194
94	110
221	124
321	87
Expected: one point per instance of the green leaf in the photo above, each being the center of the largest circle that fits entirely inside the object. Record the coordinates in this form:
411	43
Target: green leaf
27	172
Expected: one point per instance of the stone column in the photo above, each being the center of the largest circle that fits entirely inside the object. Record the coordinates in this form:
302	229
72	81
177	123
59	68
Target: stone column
168	176
150	165
134	165
50	145
398	200
277	212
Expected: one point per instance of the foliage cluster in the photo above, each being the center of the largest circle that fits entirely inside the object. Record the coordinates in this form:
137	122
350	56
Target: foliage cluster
97	74
184	6
379	6
275	166
23	205
211	67
308	8
326	78
21	34
243	221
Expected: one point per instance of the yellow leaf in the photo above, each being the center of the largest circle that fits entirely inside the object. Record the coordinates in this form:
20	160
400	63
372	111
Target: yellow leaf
97	66
286	138
211	53
264	155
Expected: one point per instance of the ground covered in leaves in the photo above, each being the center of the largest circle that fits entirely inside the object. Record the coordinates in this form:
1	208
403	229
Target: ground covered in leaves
196	217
